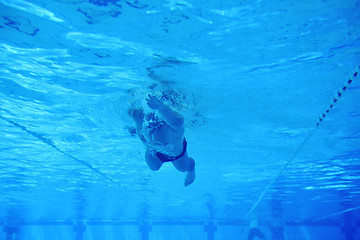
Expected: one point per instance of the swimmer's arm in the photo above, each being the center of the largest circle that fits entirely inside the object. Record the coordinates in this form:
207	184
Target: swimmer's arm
172	118
140	132
138	117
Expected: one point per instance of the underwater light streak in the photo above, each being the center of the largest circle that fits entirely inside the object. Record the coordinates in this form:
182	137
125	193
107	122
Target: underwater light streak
31	8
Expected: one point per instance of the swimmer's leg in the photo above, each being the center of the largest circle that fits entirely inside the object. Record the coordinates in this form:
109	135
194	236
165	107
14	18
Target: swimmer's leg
190	174
186	164
152	160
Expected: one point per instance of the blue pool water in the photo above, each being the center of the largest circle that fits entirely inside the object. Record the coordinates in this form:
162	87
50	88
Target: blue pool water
251	79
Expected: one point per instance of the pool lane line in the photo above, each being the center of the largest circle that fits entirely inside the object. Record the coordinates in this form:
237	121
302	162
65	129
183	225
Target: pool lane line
338	95
312	131
52	144
336	214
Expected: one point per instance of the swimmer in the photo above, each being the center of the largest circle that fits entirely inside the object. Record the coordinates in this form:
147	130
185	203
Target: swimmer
162	132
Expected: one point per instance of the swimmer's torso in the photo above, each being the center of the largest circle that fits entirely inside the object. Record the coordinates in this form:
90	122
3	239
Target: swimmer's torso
161	137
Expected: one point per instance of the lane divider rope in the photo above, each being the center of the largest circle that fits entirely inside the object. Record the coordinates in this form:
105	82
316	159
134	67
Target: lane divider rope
312	131
52	145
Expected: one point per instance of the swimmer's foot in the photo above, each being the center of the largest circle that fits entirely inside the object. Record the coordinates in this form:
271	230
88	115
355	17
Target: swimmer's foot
189	178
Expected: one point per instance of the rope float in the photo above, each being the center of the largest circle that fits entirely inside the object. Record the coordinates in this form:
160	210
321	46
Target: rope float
336	98
321	118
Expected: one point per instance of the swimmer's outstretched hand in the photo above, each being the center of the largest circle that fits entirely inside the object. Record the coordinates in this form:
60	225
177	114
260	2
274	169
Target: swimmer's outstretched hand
153	102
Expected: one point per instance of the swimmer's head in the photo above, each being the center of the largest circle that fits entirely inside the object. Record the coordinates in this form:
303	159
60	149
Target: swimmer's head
171	98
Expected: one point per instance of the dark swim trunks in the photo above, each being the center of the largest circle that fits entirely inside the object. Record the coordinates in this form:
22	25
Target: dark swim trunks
167	158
